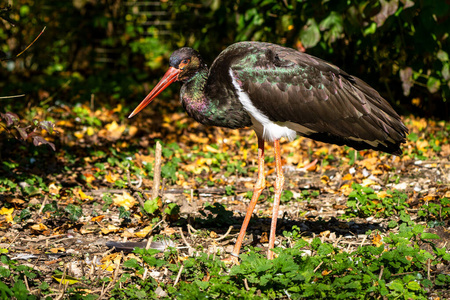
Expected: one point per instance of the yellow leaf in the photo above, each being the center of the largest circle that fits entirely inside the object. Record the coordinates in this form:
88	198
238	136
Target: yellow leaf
78	134
83	196
66	279
90	131
9	219
368	182
39	227
110	261
144	232
6	211
53	188
112	131
422	145
324	179
208	148
56	250
348	176
110	228
323	150
132	130
89	177
111	178
346	189
98	218
118	108
377	241
383	194
325	233
125	200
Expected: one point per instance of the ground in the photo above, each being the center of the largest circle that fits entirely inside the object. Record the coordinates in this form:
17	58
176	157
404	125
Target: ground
67	205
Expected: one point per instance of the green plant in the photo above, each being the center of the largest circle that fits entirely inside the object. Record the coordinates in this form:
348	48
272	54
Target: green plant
364	202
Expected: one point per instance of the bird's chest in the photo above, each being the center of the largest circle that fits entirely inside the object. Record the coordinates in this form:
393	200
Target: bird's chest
216	106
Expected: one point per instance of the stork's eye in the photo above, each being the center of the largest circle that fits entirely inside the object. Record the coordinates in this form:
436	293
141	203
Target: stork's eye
184	63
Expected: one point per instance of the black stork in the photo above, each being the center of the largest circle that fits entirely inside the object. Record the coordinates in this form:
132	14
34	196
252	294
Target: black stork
280	92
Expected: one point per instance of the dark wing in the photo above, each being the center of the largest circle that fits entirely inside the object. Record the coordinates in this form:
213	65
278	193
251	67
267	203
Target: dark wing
298	89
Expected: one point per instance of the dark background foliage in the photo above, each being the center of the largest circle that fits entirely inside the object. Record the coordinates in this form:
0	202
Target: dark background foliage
111	48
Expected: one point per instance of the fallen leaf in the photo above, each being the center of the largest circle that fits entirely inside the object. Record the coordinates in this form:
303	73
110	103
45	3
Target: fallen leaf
89	177
110	261
6	211
144	232
83	196
56	250
125	200
110	228
111	178
39	227
264	238
377	240
168	231
66	279
53	188
98	218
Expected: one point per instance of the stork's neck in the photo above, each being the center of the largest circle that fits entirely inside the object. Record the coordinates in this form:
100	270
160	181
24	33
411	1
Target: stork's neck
210	102
193	96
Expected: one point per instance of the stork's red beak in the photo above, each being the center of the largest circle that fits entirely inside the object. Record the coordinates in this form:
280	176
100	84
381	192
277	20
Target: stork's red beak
168	78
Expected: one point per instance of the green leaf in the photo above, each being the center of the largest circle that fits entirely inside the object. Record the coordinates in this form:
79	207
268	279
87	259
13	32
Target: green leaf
172	209
74	211
310	34
131	263
427	235
371	29
413	137
442	55
150	206
433	84
396	285
413	285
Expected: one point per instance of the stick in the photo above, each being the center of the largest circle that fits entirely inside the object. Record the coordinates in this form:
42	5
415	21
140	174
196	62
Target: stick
157	171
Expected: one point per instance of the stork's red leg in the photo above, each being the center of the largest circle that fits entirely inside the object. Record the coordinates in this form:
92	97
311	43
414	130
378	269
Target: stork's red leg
259	186
279	183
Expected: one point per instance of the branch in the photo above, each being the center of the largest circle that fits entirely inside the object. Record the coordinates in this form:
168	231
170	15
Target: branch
27	46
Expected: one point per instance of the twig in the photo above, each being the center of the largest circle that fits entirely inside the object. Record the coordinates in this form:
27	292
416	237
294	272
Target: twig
28	45
32	42
191	229
364	239
15	238
135	190
149	243
406	273
14	96
184	239
381	272
317	268
157	171
43	204
246	284
178	275
225	235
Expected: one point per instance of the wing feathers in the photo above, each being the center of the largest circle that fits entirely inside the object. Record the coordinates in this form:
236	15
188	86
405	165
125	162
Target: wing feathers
289	86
